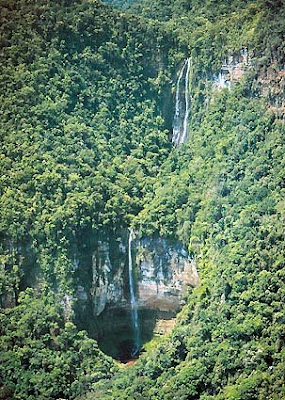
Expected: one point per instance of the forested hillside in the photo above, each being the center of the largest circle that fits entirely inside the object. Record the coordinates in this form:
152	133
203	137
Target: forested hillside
225	194
82	128
82	137
87	103
121	4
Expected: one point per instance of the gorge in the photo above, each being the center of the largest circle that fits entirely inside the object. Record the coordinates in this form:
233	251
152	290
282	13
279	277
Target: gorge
138	285
142	200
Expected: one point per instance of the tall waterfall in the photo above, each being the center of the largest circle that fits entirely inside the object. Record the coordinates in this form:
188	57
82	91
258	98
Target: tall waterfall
182	104
135	318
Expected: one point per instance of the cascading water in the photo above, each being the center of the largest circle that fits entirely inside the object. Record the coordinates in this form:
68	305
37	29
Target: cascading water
165	272
135	317
178	108
182	103
186	115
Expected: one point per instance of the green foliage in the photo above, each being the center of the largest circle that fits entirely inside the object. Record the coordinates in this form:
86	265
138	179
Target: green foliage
84	148
228	342
44	357
123	4
82	132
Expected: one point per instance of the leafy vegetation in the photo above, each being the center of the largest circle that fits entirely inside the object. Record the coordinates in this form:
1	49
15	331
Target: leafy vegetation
85	125
82	130
228	342
121	4
44	357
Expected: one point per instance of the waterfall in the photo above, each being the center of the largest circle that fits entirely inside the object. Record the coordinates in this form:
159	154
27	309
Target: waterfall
186	115
177	116
135	318
182	103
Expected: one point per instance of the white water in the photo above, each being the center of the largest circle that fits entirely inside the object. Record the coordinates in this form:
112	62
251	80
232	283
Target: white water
177	115
186	115
135	318
182	103
222	81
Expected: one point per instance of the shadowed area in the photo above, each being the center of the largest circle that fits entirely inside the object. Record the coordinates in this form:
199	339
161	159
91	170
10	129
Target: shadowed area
116	336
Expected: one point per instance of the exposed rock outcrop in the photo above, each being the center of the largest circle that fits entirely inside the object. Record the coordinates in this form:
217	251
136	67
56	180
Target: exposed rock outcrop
162	268
165	272
232	69
108	274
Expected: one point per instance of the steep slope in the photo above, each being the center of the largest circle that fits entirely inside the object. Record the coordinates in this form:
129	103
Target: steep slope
82	137
43	356
82	130
228	342
85	137
223	194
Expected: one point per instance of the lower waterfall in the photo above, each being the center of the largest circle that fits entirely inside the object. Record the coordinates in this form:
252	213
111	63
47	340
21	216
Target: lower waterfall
138	287
135	317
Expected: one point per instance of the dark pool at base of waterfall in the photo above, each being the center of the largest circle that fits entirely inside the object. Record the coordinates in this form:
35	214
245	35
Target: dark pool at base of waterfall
115	334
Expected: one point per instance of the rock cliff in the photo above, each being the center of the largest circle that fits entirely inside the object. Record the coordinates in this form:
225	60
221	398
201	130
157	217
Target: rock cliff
162	268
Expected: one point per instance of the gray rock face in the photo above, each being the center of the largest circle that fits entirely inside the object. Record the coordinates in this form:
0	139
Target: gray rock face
165	272
232	70
162	273
108	274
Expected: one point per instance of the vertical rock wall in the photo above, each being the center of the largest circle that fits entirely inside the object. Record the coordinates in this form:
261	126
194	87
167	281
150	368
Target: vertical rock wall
162	273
